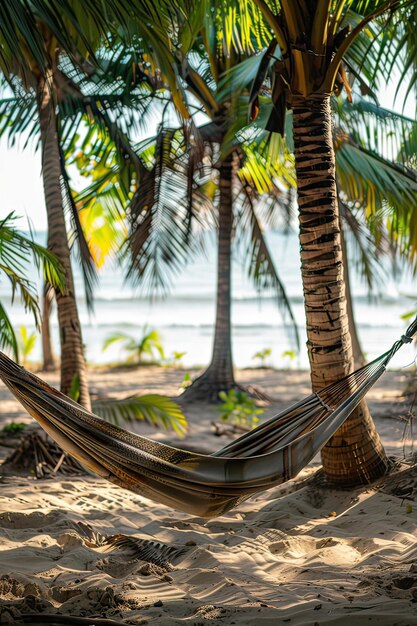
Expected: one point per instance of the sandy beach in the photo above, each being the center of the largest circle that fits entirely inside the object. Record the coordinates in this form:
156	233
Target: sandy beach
298	554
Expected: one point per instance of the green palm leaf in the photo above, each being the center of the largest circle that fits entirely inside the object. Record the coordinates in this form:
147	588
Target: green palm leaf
8	340
368	242
119	337
373	181
154	409
16	251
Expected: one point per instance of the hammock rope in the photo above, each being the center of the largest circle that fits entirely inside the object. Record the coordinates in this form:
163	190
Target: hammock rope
203	485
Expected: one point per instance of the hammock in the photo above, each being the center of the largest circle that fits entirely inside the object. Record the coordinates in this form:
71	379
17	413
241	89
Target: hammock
203	485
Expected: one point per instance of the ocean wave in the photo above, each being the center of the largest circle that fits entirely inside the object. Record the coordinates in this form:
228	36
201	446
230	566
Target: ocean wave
276	326
115	300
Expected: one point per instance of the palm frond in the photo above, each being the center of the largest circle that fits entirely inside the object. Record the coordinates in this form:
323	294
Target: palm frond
8	339
105	230
115	338
161	219
375	128
18	116
368	242
17	26
267	163
373	181
147	550
399	45
43	258
15	252
376	176
238	78
154	409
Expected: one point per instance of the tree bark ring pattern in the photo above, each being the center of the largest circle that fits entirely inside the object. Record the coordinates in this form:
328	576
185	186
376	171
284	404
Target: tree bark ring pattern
354	454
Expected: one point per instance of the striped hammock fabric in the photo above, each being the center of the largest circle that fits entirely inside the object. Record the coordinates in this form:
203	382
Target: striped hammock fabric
203	485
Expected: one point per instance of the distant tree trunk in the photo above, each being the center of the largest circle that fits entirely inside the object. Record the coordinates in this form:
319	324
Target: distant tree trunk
72	356
355	453
358	357
219	375
49	363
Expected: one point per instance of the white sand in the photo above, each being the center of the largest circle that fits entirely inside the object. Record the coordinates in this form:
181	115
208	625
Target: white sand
299	554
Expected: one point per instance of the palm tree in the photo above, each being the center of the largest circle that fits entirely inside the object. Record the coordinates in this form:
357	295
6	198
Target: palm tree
203	63
199	71
72	353
312	41
183	180
34	69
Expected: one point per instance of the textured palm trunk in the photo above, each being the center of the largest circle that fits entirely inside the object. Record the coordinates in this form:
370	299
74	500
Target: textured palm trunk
354	454
72	356
358	357
49	363
219	375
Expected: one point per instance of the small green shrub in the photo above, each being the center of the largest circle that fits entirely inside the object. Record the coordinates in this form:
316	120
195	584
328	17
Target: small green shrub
239	409
289	355
150	344
262	355
26	343
14	427
186	381
177	357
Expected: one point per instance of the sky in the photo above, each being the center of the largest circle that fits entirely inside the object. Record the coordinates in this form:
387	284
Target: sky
21	189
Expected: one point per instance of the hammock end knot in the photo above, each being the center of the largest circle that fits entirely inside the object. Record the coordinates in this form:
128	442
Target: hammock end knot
406	339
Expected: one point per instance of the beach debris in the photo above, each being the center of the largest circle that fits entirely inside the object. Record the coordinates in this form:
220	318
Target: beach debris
38	455
139	549
147	550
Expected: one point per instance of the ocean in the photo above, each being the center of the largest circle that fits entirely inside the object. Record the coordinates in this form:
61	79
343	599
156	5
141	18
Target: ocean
185	317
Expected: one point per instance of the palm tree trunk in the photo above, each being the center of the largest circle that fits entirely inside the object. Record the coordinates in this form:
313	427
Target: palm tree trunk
355	453
219	375
49	363
358	357
72	354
